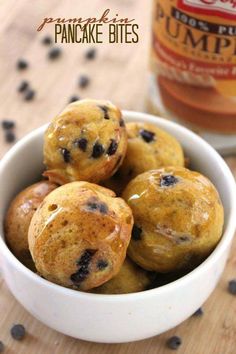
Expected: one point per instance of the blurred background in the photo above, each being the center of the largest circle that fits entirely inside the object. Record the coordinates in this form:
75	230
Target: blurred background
117	72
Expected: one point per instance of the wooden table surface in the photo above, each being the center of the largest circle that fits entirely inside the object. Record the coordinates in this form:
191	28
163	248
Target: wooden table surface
119	73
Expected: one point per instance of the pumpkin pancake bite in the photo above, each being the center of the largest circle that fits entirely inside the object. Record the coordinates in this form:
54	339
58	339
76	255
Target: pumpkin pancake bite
130	279
149	147
86	141
178	218
79	236
18	218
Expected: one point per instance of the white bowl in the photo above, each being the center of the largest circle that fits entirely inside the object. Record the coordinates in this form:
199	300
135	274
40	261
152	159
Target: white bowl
115	318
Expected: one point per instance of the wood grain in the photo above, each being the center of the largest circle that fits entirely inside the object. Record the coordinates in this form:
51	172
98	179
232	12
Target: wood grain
118	73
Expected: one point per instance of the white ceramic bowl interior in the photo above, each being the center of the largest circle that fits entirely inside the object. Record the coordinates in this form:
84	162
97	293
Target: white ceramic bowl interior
115	318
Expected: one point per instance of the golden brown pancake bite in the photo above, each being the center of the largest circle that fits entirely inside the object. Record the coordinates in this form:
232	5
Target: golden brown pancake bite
86	141
178	219
18	218
79	236
149	148
130	279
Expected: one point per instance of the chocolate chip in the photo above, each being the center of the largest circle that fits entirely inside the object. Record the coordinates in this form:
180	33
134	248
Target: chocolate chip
105	111
74	98
29	95
198	313
98	150
95	204
232	287
2	347
103	208
122	123
112	147
183	239
10	136
174	342
54	53
168	180
22	64
23	86
81	144
83	263
66	154
91	53
18	331
86	257
83	81
102	264
47	40
7	124
79	276
147	135
136	233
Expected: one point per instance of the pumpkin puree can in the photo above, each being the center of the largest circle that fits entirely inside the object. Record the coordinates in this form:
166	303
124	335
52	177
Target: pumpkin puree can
193	67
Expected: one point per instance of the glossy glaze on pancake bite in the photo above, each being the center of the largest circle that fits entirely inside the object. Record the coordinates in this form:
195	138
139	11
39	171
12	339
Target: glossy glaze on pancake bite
18	218
86	141
130	279
79	236
149	147
178	219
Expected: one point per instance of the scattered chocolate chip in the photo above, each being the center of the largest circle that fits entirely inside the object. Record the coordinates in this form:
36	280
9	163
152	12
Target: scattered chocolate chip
10	136
112	147
54	53
122	123
136	233
168	180
29	95
198	313
7	124
2	347
90	53
174	342
18	331
66	154
98	150
105	111
232	287
74	99
102	264
23	86
81	144
47	40
147	135
22	64
83	81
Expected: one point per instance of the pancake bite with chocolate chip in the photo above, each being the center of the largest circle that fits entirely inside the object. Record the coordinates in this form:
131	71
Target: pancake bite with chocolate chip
79	236
149	148
87	141
18	217
178	219
130	279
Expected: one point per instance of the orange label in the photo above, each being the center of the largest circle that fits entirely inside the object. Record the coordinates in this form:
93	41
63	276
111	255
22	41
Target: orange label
195	42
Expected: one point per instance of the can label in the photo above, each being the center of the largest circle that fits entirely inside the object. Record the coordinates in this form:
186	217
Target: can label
222	8
194	52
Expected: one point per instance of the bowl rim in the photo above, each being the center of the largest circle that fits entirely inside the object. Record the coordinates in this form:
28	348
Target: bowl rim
225	241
